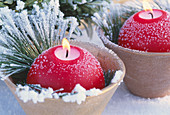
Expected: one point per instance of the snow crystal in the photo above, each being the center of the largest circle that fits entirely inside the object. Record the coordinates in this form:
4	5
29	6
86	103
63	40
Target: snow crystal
56	96
78	88
34	96
20	5
26	94
93	92
105	23
14	65
75	6
2	76
117	76
79	98
78	94
97	16
81	94
4	65
81	1
36	8
84	1
1	22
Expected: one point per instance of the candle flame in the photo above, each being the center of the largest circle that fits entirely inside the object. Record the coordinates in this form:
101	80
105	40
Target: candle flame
66	44
146	6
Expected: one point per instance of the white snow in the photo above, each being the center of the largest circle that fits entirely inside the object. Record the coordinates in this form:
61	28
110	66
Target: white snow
117	76
26	94
93	92
105	23
125	103
20	5
79	97
78	94
81	94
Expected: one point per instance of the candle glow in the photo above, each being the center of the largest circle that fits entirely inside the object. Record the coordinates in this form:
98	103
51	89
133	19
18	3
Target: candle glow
66	44
66	52
146	6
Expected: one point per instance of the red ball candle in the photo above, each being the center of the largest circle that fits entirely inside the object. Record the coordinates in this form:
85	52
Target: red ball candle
63	68
147	31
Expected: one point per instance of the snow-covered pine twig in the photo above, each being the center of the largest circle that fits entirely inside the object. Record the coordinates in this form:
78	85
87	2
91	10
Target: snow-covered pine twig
83	10
23	37
110	21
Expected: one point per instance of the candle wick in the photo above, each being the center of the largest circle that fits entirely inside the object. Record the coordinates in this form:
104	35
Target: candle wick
151	14
66	53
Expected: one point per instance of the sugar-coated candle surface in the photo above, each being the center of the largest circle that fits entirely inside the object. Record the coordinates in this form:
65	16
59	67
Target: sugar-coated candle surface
146	33
53	69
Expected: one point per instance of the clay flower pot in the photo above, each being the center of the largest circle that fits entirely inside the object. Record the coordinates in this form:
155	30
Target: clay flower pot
94	105
147	74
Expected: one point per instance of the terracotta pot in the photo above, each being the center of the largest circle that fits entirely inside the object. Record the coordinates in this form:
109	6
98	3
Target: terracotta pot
147	74
94	105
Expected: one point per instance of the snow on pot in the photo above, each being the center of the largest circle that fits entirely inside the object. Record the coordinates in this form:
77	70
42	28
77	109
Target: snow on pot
147	74
93	104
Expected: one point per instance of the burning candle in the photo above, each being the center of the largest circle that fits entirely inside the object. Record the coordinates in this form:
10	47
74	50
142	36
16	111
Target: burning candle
64	53
64	67
147	30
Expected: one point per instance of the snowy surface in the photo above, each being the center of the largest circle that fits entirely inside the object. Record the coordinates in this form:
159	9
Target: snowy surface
122	102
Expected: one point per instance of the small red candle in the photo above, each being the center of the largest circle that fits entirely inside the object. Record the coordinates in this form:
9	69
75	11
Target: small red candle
147	30
61	67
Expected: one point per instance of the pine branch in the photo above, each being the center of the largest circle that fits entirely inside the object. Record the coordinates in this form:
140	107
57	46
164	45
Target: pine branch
83	11
28	35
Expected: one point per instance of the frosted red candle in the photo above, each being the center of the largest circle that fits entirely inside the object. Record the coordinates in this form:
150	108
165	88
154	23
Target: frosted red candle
53	69
146	33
